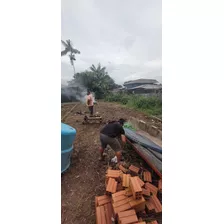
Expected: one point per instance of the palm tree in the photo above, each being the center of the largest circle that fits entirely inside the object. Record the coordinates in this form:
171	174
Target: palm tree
103	79
69	48
99	69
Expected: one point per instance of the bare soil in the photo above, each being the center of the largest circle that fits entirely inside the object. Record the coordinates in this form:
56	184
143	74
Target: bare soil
86	176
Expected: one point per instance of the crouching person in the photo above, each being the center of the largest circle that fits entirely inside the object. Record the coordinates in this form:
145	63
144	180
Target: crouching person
113	135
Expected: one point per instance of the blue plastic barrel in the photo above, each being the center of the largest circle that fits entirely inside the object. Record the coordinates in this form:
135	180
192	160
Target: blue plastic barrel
68	134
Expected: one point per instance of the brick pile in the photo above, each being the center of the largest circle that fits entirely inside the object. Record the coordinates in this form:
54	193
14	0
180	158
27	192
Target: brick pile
130	197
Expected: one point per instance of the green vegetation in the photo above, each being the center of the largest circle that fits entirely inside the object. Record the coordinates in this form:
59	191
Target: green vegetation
129	126
96	80
148	105
69	49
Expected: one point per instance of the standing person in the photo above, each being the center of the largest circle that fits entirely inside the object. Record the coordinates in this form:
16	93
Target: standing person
111	134
89	102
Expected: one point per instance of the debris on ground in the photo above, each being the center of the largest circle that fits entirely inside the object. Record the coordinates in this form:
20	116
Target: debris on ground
92	119
85	177
129	198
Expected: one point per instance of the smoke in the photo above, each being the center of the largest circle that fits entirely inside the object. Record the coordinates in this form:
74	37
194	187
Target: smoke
73	91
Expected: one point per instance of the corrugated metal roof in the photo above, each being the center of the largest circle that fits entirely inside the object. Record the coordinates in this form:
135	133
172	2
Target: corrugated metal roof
141	81
147	86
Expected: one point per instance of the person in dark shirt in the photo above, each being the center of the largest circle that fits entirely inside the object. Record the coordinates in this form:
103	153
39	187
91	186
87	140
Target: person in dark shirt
111	134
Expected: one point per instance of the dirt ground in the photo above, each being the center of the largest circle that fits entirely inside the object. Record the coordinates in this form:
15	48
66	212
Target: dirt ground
86	176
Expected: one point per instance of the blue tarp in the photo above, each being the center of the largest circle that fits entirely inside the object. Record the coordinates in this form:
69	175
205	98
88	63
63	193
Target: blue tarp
148	156
156	154
145	142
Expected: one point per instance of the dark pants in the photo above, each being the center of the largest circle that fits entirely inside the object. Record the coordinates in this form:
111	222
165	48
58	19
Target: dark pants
114	143
91	110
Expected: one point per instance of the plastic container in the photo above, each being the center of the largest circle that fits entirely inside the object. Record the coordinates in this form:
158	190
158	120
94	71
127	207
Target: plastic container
68	135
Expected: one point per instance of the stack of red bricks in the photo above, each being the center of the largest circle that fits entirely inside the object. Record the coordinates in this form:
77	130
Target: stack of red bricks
127	196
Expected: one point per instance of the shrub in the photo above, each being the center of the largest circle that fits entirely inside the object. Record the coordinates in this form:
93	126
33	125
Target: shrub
149	105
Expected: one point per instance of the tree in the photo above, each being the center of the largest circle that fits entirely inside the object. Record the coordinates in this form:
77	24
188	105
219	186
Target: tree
69	49
99	70
72	91
118	86
96	80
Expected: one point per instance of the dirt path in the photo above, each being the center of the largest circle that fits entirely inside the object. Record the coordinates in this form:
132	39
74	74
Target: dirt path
85	177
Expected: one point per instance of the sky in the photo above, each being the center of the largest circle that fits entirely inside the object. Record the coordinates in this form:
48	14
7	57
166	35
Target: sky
125	36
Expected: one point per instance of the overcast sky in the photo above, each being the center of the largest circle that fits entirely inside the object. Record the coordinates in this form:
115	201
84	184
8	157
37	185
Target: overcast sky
125	36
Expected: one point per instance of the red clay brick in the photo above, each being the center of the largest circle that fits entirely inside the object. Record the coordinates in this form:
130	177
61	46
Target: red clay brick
100	215
138	205
126	213
150	207
124	170
128	192
108	213
153	205
160	185
105	201
153	222
111	186
134	169
140	182
96	201
122	208
147	176
121	202
158	206
118	194
139	223
146	192
101	200
135	188
103	216
152	188
119	198
111	210
128	219
108	218
126	180
119	187
116	174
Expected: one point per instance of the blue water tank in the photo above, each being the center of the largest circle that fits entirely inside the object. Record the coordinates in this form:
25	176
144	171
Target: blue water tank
68	134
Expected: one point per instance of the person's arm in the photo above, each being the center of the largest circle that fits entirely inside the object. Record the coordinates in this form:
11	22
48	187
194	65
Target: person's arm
123	137
91	100
87	101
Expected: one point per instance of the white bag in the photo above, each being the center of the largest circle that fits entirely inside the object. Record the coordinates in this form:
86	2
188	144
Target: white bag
114	160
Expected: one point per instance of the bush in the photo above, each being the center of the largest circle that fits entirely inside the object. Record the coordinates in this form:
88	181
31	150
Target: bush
149	105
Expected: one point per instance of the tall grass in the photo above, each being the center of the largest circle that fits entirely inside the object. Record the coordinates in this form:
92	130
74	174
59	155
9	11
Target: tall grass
148	105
